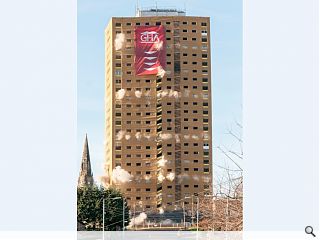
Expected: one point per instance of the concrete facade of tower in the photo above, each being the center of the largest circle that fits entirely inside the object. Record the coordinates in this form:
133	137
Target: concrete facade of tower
158	128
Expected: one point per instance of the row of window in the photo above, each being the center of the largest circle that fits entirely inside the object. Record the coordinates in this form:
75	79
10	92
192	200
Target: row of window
119	24
175	31
203	39
204	80
148	164
205	112
186	144
118	72
205	153
203	55
204	64
205	128
148	189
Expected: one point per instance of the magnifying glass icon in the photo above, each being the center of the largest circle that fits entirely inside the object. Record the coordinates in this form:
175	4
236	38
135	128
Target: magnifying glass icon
309	230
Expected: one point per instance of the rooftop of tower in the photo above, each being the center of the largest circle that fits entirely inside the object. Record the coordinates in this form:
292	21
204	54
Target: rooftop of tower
159	11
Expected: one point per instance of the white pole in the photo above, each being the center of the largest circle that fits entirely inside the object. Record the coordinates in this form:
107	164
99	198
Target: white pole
192	213
197	213
134	217
103	212
213	205
123	215
184	216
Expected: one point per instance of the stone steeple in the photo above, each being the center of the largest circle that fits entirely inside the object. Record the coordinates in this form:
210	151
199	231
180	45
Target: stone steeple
85	176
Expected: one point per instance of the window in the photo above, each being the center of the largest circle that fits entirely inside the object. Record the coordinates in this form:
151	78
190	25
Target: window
194	23
205	88
128	147
184	23
194	39
203	24
185	38
196	169
204	64
118	81
186	169
148	189
137	24
128	24
194	31
195	186
148	147
186	186
138	164
204	55
184	30
118	24
168	23
206	170
128	164
170	187
158	23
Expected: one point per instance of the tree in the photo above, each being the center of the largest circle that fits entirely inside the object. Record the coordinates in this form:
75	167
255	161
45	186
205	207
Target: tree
222	209
90	207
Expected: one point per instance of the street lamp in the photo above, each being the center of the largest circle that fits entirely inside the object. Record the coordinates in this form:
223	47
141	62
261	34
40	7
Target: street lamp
103	213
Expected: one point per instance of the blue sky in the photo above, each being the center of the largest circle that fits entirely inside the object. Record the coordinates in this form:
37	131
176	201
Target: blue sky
226	45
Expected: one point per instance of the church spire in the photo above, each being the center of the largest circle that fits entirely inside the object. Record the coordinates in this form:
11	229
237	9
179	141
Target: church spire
85	176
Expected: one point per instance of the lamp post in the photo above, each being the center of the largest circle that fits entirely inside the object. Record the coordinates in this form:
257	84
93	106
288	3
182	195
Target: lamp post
197	215
103	212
